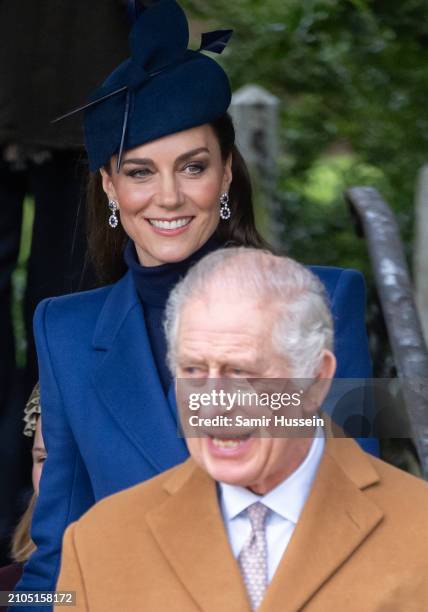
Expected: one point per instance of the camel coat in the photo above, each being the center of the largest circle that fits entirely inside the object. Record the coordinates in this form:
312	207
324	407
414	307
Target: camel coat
361	544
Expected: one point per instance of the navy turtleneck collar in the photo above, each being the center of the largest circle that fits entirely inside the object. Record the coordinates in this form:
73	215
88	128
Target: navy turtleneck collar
154	283
153	286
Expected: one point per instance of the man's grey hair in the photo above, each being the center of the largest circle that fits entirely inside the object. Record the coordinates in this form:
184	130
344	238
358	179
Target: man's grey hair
304	326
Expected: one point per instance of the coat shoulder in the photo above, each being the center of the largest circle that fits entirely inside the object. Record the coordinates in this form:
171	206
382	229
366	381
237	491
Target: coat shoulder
90	318
66	324
132	503
83	304
97	310
336	278
402	496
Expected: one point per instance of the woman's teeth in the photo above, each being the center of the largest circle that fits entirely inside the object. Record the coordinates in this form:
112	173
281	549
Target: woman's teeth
170	225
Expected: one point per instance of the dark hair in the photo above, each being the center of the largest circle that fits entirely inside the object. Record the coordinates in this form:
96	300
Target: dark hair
106	246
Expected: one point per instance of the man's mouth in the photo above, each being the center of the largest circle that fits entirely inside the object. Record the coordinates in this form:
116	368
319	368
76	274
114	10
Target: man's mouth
171	224
229	442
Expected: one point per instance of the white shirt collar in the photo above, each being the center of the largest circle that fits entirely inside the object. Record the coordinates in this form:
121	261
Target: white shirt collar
286	499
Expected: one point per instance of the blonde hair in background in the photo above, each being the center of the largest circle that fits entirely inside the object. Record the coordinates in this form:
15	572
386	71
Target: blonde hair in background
22	545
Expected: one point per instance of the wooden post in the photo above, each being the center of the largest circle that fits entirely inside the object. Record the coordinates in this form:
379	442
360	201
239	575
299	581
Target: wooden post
421	249
255	115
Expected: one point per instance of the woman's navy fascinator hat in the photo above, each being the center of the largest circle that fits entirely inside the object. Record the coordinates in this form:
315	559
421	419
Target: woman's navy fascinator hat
163	88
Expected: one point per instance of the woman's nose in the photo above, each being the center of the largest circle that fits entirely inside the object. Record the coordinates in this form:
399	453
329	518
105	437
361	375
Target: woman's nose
170	195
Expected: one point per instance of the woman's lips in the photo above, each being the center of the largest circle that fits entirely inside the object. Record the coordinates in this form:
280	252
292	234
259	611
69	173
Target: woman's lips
170	227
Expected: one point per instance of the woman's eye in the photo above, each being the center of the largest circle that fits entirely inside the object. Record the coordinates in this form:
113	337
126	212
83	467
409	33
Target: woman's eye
194	168
139	173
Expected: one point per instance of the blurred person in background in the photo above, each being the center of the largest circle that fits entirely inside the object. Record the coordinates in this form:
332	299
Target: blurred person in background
168	186
52	54
22	545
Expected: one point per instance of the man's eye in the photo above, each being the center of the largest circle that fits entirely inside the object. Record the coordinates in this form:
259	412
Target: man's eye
190	369
193	372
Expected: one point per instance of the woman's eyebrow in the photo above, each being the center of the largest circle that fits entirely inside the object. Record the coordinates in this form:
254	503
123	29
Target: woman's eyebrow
138	160
180	158
192	152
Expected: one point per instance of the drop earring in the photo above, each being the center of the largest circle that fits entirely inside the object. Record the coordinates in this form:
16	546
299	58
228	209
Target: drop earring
113	220
225	211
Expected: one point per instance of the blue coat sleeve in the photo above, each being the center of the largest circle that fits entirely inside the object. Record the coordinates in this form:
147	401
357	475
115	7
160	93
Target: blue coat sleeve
65	488
351	344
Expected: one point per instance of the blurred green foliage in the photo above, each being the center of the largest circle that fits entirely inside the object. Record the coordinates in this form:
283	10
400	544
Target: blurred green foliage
19	280
352	77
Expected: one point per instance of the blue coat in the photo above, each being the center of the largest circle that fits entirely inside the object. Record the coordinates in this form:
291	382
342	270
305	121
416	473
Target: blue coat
107	424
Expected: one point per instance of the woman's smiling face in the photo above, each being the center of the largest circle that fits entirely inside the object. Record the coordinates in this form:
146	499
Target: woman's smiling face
168	193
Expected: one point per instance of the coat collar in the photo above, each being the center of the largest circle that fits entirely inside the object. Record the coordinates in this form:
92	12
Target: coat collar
120	300
127	382
337	518
189	530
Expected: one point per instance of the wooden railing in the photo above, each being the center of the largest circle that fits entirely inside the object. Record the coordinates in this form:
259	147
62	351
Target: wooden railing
377	223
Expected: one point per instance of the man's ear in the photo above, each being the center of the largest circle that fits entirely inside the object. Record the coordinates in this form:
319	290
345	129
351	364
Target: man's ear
227	179
108	185
327	365
317	392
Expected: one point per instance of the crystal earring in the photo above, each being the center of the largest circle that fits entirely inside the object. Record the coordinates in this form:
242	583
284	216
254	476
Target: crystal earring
113	221
225	211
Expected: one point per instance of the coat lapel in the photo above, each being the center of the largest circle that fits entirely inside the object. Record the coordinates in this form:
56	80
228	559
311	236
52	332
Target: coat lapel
336	519
127	381
189	529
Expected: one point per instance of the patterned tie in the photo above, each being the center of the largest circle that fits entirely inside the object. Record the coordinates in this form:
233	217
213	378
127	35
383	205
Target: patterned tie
253	556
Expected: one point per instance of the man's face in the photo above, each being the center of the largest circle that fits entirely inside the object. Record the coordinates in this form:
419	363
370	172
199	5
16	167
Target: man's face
223	338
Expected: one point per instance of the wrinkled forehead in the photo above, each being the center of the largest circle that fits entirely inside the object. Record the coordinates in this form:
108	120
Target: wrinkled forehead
219	316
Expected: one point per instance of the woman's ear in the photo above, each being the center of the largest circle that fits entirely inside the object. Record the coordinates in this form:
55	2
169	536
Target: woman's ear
108	186
227	178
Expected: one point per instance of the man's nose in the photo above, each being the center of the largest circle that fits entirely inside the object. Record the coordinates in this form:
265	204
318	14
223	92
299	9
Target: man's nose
214	373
